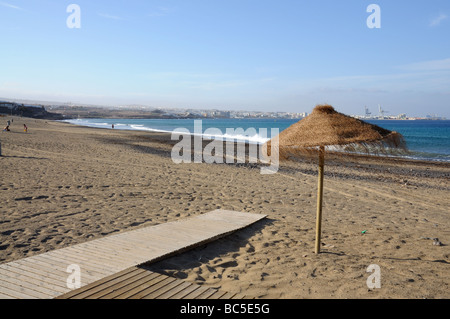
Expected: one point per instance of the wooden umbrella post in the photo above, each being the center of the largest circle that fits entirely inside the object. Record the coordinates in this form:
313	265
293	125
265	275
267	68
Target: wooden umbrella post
319	198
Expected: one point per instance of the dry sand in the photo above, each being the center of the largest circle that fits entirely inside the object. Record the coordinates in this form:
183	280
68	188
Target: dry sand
62	184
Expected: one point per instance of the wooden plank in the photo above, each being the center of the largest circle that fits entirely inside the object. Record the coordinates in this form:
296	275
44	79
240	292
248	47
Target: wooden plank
238	296
45	274
35	280
24	287
126	287
49	267
153	287
3	296
209	235
160	245
37	269
142	283
33	285
183	238
207	293
174	291
155	293
227	295
45	268
122	244
116	287
134	290
217	295
185	292
138	244
101	284
59	263
168	239
140	239
148	236
18	272
197	292
191	227
118	243
105	249
106	259
74	258
200	227
16	292
102	260
146	242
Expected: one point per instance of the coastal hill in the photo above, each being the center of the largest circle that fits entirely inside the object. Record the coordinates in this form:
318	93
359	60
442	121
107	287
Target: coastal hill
70	112
58	110
33	111
103	112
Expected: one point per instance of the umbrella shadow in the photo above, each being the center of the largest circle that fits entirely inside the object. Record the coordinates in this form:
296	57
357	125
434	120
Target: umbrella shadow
140	144
161	144
333	253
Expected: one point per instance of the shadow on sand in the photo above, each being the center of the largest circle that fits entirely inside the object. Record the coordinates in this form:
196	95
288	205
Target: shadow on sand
24	157
233	243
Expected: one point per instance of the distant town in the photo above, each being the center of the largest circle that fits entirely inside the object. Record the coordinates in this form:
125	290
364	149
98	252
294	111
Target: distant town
382	115
59	111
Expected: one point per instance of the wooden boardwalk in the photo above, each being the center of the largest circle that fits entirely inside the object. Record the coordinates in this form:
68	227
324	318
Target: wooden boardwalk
142	283
51	274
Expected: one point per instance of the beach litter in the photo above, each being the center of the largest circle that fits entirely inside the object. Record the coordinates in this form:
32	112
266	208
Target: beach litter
436	241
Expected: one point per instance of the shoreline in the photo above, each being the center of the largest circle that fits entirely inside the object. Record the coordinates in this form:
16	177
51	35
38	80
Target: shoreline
405	157
359	162
65	184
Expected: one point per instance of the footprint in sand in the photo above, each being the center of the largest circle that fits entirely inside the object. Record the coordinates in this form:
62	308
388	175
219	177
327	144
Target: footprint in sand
250	249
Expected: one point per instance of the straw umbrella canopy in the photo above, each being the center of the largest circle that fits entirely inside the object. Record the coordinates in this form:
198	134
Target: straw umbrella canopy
325	127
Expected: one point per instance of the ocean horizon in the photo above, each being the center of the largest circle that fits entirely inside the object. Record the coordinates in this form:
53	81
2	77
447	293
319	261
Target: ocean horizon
426	139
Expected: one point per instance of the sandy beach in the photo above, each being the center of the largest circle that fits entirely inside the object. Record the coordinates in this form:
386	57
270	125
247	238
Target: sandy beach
63	184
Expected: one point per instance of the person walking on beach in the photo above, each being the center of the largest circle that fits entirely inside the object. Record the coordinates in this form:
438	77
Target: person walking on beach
25	128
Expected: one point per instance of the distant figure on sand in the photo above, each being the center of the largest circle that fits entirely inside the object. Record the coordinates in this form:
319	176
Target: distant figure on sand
112	125
25	128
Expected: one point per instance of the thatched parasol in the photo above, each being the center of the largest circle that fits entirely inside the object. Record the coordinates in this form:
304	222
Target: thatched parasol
325	127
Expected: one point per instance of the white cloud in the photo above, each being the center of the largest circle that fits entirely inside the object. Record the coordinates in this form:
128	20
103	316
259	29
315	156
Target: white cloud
109	16
182	76
436	21
160	12
433	65
8	5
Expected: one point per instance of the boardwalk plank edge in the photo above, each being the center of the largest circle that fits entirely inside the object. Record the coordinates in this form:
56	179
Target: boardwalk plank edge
224	222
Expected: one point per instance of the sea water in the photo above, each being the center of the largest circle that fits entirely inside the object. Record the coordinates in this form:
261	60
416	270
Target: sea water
425	139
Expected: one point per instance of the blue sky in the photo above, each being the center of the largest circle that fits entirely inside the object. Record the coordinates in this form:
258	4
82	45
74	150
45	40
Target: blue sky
284	55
